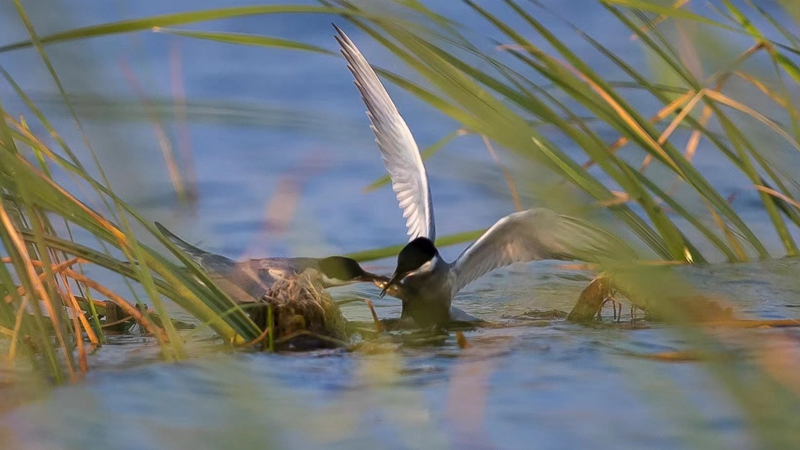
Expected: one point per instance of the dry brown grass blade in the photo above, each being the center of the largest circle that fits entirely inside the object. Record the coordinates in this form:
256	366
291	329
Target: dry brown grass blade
509	180
577	266
704	311
161	135
753	323
184	138
619	198
623	114
40	146
779	195
685	111
263	336
615	106
56	269
694	138
82	361
673	106
691	147
60	267
723	75
105	223
729	235
38	286
378	326
687	48
129	309
641	262
78	312
116	322
741	107
12	350
662	114
661	18
758	84
670	356
461	340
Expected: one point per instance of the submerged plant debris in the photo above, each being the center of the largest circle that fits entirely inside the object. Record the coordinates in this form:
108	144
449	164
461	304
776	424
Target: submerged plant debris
669	307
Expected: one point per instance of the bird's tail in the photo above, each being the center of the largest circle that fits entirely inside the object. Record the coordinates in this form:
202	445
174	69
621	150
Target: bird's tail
180	243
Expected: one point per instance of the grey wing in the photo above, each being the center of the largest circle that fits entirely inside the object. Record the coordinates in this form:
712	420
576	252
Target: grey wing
247	281
532	235
280	268
459	315
196	253
398	148
242	281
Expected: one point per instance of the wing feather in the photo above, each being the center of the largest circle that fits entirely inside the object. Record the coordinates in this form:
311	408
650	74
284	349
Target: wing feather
532	235
243	281
396	143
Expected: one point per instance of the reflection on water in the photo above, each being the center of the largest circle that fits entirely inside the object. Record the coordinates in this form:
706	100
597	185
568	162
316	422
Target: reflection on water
548	382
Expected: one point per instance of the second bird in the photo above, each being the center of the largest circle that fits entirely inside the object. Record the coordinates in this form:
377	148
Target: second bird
425	282
248	281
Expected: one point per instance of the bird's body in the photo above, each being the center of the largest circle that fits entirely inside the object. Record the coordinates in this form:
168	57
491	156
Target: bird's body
248	281
421	303
425	282
427	294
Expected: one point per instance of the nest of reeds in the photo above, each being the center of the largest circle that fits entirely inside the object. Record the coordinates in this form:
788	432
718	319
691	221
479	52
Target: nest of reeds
302	316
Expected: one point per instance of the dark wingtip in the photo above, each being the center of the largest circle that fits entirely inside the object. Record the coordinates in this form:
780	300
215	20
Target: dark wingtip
341	34
161	228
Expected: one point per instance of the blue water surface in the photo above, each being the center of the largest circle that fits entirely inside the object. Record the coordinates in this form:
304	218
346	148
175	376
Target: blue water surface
268	125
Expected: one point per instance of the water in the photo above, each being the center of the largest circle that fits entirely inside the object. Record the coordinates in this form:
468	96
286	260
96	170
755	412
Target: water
542	384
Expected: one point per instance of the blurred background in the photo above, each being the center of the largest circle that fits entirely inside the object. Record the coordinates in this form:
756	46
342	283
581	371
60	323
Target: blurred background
252	151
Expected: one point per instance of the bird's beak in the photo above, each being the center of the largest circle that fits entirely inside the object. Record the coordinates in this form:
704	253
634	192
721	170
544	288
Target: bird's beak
370	277
392	281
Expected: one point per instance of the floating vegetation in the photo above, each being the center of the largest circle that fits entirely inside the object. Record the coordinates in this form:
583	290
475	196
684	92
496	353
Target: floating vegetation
665	307
297	314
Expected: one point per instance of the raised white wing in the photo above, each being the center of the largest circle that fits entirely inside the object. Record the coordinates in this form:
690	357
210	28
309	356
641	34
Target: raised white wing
533	235
398	148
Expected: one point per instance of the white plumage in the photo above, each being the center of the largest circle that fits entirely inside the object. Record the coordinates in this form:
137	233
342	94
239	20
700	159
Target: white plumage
428	284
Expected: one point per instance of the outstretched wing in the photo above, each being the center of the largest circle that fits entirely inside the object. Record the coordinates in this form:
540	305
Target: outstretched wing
398	148
206	260
244	281
533	235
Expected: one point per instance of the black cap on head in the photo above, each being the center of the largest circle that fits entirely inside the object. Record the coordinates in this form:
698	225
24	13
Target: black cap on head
341	268
413	256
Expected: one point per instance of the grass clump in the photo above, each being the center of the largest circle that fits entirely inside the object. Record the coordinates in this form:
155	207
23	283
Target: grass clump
297	313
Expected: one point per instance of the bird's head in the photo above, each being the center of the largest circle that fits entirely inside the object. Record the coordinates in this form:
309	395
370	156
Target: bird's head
339	270
416	257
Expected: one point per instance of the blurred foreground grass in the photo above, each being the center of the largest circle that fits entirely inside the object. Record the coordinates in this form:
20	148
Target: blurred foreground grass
724	76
